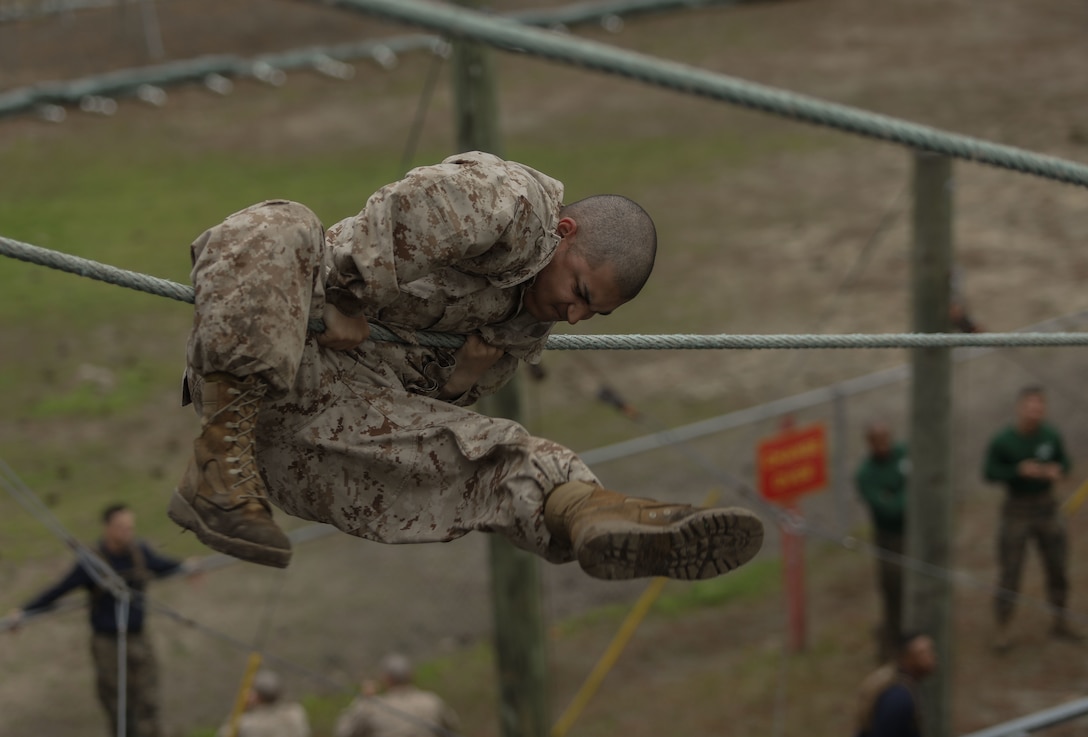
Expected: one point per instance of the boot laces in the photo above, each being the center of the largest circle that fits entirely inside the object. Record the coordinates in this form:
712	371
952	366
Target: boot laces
244	463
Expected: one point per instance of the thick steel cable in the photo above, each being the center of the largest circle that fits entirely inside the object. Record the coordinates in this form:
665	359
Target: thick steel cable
129	81
182	293
512	36
102	574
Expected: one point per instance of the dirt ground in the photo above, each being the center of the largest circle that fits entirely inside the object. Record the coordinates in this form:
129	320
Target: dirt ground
767	240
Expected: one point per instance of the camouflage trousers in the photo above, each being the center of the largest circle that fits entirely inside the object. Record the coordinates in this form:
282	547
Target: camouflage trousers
142	678
1023	520
339	439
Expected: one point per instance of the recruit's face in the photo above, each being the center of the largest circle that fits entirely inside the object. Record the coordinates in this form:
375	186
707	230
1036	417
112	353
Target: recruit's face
568	289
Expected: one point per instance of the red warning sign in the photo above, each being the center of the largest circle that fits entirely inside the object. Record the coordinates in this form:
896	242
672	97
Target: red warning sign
792	463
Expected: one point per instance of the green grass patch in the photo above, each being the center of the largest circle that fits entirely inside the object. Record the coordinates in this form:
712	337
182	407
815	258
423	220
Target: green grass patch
647	162
76	198
108	395
75	481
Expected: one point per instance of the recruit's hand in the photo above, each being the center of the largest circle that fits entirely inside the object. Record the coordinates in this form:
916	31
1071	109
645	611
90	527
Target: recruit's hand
342	333
471	362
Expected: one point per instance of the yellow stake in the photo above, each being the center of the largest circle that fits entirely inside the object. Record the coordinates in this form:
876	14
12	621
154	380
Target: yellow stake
615	649
243	692
1073	501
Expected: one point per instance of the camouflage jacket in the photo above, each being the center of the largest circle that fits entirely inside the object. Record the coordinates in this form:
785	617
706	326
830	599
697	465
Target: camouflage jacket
449	248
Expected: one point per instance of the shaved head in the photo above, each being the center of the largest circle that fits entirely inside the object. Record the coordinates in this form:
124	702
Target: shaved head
615	231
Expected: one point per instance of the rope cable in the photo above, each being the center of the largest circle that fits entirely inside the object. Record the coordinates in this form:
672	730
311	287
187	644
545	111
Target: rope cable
100	572
104	576
509	35
109	579
794	520
180	292
302	670
253	664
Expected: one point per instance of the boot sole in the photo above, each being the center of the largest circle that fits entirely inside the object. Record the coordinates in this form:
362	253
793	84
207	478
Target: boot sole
183	514
706	544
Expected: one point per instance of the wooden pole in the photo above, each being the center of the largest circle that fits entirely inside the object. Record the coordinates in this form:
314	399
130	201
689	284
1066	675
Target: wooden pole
520	653
928	600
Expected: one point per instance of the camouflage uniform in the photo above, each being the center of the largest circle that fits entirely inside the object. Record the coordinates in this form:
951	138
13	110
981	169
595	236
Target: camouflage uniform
281	719
402	711
358	439
141	677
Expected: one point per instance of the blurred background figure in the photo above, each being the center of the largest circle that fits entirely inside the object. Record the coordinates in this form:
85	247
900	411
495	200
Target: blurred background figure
881	481
137	564
888	698
395	707
267	714
1028	457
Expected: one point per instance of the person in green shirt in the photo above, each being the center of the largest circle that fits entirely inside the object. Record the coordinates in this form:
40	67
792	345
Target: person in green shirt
1029	458
881	481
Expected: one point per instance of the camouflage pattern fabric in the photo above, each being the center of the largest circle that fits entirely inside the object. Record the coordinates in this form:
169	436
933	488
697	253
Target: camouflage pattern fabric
358	439
142	713
282	719
1024	519
402	711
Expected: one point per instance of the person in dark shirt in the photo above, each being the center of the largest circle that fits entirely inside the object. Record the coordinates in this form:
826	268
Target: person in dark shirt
136	563
888	698
881	481
1028	457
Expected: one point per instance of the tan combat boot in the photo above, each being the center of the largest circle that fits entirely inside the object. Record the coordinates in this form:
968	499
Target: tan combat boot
617	537
222	497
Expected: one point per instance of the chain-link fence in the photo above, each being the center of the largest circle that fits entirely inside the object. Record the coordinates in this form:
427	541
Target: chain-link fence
985	386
